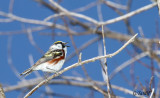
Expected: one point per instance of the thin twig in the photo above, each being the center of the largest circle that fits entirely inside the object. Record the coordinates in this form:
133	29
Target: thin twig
131	40
99	11
89	79
104	45
158	1
9	60
86	7
105	66
150	83
127	63
85	45
31	61
80	58
24	31
152	93
11	6
33	43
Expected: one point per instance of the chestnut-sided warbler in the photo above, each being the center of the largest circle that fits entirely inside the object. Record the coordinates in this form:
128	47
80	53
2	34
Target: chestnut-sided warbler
52	60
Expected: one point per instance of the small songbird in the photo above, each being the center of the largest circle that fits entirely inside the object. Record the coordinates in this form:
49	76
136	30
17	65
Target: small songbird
52	60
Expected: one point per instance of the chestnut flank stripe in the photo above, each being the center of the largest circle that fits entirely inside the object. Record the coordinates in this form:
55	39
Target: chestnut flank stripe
55	61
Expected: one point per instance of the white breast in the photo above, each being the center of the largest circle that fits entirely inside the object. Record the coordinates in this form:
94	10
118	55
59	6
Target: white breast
52	68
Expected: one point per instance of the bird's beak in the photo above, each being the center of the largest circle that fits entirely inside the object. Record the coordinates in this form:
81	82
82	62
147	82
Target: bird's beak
66	44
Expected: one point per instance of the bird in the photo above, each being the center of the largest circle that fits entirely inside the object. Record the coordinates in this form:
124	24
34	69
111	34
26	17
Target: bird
52	61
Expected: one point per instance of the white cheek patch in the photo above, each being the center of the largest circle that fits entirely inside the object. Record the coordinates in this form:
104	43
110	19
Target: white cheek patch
54	47
59	46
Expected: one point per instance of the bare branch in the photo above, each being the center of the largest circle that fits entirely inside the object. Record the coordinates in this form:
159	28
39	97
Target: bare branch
2	95
127	63
10	62
158	1
106	78
115	5
119	50
11	6
77	64
152	93
66	12
31	21
129	14
66	80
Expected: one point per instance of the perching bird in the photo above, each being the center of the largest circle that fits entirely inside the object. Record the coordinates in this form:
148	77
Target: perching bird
52	61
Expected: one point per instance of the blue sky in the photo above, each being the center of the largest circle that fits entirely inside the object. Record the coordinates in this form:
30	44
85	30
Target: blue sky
22	48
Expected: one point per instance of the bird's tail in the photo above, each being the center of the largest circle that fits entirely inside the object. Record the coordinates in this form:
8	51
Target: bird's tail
26	72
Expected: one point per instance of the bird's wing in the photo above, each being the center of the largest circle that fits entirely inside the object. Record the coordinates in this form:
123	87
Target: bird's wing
48	56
